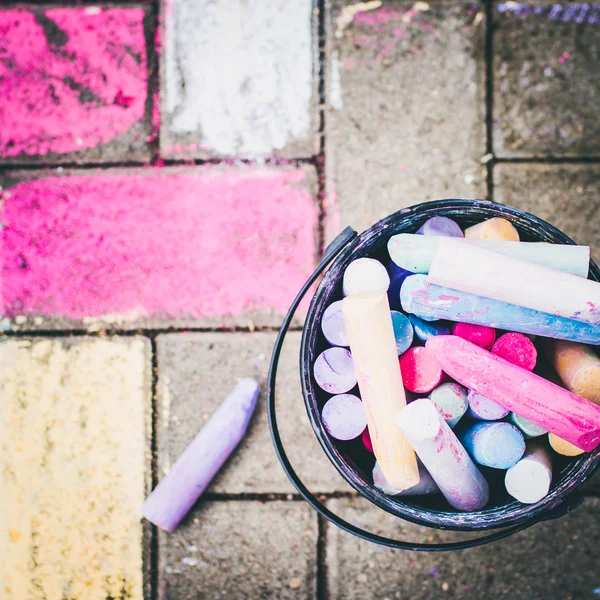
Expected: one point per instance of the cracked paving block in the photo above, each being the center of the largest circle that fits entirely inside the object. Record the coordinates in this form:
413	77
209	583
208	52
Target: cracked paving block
241	550
553	559
196	371
74	84
74	467
547	79
155	247
405	107
567	196
240	80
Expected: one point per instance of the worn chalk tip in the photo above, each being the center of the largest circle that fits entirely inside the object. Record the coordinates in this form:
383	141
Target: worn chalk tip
528	481
249	389
419	420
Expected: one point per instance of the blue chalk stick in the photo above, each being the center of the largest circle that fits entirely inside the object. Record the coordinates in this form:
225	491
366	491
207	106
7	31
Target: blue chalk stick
498	445
424	330
403	332
429	301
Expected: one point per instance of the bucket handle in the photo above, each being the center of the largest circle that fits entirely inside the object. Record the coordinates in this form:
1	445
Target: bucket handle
330	253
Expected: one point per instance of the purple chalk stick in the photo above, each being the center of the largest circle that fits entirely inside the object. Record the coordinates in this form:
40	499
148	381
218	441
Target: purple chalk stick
344	417
333	325
483	409
397	276
334	371
442	227
201	460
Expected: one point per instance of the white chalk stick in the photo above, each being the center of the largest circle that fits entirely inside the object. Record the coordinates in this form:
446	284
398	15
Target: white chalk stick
365	275
372	341
459	480
529	480
465	267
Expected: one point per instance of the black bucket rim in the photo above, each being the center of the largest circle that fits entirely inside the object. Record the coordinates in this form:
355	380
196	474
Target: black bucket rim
513	513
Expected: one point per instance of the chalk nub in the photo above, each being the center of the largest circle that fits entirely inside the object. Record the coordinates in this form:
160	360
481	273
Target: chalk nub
563	447
403	332
371	334
333	326
344	417
484	409
493	229
425	486
517	349
528	429
334	371
577	365
529	480
440	226
201	460
555	409
448	463
465	267
365	275
431	302
451	401
421	373
424	330
480	335
496	445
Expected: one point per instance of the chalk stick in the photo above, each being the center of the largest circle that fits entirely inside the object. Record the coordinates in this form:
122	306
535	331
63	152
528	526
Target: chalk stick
497	445
528	429
201	460
366	440
415	253
425	486
464	267
484	409
403	332
424	330
529	480
441	226
493	229
436	302
577	365
517	349
344	416
555	409
334	371
448	463
480	335
451	401
333	326
420	371
365	275
563	447
397	276
371	334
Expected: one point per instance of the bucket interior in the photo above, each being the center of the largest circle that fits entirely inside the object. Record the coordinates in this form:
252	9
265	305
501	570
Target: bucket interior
350	458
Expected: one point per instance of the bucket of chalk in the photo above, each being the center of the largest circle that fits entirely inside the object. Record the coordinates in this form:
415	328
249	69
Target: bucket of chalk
502	515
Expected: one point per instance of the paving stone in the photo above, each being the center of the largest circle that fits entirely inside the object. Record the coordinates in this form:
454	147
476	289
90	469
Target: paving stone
207	246
547	79
74	467
554	559
241	550
567	196
74	84
198	370
240	80
405	108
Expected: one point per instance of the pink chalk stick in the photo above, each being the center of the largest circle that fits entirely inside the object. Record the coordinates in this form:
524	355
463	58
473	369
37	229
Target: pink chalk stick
366	440
158	243
555	409
420	371
480	335
517	349
70	79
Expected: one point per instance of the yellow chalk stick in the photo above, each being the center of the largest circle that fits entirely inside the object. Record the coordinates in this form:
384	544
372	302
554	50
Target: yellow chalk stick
563	447
493	229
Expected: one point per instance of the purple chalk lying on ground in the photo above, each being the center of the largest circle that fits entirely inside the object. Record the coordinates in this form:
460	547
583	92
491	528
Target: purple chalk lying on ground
195	468
483	409
441	226
334	371
344	417
333	325
497	445
424	330
425	486
403	332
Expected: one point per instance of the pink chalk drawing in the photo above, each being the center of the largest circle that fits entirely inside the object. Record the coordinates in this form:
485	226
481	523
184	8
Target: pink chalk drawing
169	244
70	78
573	12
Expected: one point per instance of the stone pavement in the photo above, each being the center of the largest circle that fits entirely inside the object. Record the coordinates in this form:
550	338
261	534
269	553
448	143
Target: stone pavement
170	173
